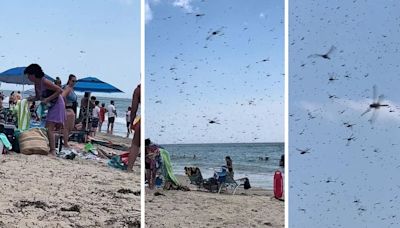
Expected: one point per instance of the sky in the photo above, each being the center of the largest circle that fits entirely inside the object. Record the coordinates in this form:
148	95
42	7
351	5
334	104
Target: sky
214	71
98	38
349	177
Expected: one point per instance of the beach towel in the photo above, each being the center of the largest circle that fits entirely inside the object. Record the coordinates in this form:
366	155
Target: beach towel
167	167
117	162
23	114
5	142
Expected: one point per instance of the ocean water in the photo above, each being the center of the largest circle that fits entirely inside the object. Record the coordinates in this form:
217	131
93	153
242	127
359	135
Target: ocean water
121	104
245	156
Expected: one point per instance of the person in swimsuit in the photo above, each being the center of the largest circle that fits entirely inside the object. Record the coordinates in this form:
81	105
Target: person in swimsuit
70	98
84	112
50	95
229	165
102	115
95	118
134	150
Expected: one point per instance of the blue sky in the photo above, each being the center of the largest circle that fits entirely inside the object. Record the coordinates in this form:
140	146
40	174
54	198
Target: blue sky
87	38
339	184
234	77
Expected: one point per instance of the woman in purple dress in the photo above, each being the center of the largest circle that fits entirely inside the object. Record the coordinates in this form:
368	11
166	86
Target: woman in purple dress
50	95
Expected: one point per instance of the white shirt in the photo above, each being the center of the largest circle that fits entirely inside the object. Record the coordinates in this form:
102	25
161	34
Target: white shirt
128	116
96	112
111	111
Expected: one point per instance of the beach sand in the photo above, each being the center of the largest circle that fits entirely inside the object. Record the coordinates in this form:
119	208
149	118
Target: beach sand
253	208
43	191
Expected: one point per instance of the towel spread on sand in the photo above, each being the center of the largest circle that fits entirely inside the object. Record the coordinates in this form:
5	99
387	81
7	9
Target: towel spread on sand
167	167
5	142
23	114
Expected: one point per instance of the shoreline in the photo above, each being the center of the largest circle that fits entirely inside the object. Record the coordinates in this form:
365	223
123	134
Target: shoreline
222	143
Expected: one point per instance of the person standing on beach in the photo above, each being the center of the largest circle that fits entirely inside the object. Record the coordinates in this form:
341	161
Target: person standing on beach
112	114
84	112
102	115
70	98
229	165
50	95
95	120
58	82
134	150
128	121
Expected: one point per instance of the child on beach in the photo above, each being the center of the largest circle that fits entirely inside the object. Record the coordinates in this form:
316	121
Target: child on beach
50	95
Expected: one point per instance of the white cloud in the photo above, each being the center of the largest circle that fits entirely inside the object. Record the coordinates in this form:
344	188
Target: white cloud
184	4
262	15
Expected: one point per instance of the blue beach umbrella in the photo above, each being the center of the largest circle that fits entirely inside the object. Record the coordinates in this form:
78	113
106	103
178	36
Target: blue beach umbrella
16	76
92	84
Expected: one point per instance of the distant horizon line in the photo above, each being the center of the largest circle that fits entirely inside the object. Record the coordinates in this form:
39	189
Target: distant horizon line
223	143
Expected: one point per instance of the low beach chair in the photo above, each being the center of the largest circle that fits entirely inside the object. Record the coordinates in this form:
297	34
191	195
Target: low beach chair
231	183
196	178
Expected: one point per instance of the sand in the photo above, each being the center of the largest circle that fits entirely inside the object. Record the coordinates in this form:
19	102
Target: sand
43	191
251	208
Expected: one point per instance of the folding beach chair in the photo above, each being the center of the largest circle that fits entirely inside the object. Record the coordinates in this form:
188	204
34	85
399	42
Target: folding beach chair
225	180
196	178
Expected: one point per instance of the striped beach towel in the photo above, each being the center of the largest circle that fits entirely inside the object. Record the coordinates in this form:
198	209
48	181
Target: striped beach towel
23	114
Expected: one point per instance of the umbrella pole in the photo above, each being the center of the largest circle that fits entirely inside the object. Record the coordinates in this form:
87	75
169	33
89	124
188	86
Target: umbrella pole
87	113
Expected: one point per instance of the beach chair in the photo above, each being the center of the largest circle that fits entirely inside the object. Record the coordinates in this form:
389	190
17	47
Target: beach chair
196	178
225	180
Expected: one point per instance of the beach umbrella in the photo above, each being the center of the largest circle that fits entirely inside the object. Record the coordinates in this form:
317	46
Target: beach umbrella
16	76
92	84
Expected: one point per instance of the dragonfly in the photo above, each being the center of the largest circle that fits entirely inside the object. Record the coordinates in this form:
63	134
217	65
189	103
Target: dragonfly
376	104
307	150
326	55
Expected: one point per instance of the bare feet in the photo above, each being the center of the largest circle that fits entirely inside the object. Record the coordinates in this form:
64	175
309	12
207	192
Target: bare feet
52	153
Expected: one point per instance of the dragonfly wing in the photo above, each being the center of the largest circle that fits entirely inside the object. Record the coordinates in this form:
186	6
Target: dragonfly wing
374	93
331	50
373	117
369	109
380	98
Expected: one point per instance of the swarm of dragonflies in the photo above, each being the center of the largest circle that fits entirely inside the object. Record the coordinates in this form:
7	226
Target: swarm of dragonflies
376	104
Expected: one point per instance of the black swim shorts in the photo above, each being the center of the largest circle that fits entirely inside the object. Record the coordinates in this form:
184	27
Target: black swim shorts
111	119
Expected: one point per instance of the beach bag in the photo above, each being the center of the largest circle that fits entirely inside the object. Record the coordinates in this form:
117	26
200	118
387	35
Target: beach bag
34	141
246	184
